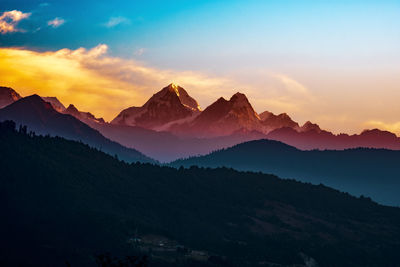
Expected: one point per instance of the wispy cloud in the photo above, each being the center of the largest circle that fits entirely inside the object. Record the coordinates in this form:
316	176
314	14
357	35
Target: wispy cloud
10	19
114	21
139	52
55	23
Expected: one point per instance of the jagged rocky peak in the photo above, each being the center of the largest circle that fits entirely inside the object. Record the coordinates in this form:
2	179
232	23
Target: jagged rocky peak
57	105
240	99
8	96
172	103
265	115
284	116
183	96
72	110
272	121
241	106
309	126
86	117
224	117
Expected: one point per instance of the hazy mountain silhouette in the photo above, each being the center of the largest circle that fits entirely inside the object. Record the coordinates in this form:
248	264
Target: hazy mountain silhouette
315	138
67	207
41	117
272	121
165	146
370	172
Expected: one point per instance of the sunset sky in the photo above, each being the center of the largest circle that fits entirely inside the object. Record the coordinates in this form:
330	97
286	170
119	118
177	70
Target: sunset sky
336	64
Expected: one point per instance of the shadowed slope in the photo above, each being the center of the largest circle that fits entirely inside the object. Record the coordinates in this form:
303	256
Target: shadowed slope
41	117
371	172
8	96
59	207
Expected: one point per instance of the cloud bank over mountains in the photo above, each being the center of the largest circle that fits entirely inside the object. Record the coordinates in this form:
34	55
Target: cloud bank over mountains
104	83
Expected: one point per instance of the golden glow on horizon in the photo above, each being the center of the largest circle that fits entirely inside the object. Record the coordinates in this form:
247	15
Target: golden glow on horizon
60	74
104	85
391	127
91	80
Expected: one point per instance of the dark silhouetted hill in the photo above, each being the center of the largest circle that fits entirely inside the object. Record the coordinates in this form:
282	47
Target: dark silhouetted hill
41	118
67	207
362	171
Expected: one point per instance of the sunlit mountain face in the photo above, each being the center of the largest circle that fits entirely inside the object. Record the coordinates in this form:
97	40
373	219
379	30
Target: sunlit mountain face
8	96
170	104
199	133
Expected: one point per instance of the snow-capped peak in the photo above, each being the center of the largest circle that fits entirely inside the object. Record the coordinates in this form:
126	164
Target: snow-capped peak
57	105
172	103
184	97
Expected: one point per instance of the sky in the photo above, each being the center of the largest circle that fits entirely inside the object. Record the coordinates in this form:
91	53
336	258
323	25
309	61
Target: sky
335	63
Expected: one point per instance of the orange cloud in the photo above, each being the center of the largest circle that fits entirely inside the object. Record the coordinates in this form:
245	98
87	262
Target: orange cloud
104	85
90	79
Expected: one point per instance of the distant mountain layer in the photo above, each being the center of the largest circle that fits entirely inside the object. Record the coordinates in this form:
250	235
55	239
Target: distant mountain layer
316	138
39	116
166	147
371	172
63	203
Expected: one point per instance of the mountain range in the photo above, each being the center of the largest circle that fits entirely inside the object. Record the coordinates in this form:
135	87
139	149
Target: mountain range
171	125
73	187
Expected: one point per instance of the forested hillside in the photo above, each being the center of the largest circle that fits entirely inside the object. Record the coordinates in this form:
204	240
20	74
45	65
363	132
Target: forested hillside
63	201
361	171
